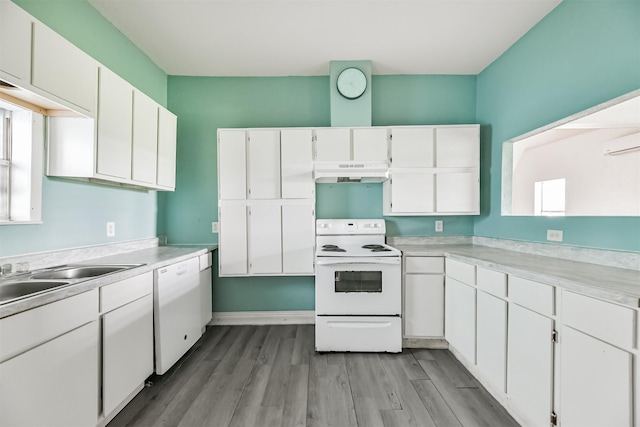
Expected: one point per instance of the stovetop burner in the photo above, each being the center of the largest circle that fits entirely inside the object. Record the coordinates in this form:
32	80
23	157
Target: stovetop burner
332	248
377	248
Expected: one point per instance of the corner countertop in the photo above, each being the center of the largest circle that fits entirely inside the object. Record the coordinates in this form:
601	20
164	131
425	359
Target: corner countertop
152	258
618	285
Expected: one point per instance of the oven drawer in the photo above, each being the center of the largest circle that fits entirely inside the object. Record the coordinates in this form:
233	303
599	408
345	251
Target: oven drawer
359	333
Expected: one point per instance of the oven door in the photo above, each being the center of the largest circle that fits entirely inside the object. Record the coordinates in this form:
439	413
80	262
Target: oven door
358	286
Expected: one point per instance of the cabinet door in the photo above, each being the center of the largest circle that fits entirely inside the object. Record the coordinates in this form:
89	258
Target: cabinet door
423	305
62	69
115	113
457	192
296	151
412	148
127	351
145	138
460	323
596	382
167	134
491	338
298	238
412	192
232	165
333	144
265	239
458	147
54	384
15	42
264	164
530	364
233	239
370	144
206	301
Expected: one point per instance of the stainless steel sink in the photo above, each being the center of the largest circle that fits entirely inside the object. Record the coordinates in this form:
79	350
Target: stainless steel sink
80	272
18	289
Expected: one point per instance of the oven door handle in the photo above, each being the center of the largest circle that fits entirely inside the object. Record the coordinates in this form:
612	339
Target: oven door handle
359	261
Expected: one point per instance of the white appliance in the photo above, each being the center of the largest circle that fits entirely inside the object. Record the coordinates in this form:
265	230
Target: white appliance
206	314
351	171
358	287
176	312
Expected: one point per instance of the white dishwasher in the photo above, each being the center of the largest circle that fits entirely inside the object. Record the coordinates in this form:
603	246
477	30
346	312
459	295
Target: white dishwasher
176	312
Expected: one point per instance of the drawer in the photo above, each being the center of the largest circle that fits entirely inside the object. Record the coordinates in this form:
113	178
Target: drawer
610	322
461	271
26	330
533	295
424	264
123	292
492	282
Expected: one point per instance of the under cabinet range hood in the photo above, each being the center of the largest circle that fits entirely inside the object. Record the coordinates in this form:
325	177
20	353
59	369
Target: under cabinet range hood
351	171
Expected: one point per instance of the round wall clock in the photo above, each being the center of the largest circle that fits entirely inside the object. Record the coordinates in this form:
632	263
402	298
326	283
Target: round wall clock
351	83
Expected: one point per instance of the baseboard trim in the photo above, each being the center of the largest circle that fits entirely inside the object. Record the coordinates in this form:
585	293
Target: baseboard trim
294	317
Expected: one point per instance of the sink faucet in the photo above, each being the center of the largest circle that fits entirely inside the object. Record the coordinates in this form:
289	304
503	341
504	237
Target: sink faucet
5	269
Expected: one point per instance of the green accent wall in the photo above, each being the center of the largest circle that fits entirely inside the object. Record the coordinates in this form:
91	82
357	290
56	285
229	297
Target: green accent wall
582	54
205	104
75	213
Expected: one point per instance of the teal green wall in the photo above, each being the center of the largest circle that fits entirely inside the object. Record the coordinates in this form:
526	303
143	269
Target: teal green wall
75	213
583	53
205	104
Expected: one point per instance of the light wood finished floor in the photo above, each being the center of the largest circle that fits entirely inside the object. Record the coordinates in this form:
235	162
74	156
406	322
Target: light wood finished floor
271	376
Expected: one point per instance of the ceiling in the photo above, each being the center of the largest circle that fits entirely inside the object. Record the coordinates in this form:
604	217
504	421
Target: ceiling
300	37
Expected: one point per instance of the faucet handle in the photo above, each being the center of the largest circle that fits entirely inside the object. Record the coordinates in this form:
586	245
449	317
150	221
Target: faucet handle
5	269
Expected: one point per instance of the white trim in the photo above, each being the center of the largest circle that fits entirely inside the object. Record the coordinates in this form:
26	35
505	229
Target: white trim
293	317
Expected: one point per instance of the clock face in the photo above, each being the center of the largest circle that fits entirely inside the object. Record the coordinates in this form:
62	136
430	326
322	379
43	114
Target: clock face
352	83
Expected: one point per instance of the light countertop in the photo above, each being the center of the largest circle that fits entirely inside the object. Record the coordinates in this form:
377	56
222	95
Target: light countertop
617	285
152	258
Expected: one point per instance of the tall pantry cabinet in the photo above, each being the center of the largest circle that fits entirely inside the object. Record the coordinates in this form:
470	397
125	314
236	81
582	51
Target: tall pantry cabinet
266	202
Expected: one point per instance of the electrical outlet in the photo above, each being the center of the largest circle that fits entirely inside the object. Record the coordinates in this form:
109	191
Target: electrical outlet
554	235
111	229
439	226
214	227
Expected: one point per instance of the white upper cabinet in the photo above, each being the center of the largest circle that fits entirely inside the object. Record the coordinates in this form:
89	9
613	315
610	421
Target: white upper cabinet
15	43
265	242
298	238
63	70
145	138
333	144
115	113
412	193
457	192
167	138
458	147
232	165
439	166
264	164
296	158
370	144
412	147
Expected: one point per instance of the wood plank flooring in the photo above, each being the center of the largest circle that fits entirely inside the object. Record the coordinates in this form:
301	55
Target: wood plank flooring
245	376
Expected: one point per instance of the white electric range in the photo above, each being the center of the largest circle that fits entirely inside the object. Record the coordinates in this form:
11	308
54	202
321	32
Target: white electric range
358	287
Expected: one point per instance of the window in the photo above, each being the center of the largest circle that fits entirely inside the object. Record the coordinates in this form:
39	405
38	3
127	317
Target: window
21	151
549	197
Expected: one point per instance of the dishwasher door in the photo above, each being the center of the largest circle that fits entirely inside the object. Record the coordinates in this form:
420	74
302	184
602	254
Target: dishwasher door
176	312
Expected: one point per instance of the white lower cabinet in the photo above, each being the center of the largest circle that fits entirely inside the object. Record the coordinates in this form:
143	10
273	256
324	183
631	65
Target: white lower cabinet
423	297
265	241
492	340
530	364
597	363
460	318
49	370
127	339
